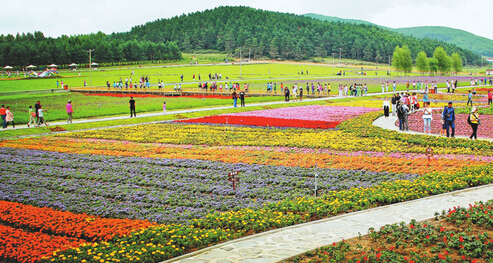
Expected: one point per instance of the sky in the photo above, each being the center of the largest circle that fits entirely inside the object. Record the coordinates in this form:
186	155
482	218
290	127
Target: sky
73	17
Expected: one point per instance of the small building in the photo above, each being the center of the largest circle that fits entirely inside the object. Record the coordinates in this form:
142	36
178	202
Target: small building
489	72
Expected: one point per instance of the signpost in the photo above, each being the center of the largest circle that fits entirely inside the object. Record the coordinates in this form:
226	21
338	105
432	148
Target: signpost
232	178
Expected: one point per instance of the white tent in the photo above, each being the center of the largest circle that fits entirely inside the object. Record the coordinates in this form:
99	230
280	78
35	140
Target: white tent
53	66
31	66
73	65
94	64
8	67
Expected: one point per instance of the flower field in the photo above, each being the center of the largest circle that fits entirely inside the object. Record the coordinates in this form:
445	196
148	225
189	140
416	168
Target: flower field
152	192
324	117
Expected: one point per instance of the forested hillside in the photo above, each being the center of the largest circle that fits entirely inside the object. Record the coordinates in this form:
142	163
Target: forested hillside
282	36
25	49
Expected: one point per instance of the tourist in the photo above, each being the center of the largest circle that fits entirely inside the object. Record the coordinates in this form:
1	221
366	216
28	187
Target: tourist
36	108
469	98
41	118
286	94
69	111
404	115
295	92
235	98
242	98
301	93
473	120
3	114
427	117
131	104
490	97
386	107
32	115
393	101
9	117
164	107
449	118
394	87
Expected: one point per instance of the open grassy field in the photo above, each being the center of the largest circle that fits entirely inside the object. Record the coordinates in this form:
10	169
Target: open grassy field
253	73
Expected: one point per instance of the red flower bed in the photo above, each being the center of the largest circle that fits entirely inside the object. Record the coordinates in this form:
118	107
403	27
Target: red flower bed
263	121
55	222
25	246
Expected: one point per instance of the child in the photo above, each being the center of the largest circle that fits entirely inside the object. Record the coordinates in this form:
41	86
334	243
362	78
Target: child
444	126
164	107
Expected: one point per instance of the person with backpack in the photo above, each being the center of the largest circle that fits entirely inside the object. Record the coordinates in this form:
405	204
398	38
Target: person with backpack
448	115
473	120
404	113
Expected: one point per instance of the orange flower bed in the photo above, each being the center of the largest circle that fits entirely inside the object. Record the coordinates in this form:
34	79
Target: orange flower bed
26	246
245	155
53	222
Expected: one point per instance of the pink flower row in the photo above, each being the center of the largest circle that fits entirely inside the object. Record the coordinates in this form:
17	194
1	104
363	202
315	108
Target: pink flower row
310	113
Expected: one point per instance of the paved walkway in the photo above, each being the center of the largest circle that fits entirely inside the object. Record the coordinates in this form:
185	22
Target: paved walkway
276	245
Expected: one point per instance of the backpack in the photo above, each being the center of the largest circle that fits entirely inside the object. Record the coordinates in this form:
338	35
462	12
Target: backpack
469	119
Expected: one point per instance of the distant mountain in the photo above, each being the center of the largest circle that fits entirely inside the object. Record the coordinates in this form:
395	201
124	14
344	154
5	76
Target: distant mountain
477	44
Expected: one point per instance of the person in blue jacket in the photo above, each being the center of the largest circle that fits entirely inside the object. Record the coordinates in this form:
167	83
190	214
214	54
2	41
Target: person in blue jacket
448	116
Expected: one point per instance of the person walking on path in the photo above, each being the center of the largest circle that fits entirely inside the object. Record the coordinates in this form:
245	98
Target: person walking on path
164	107
3	114
9	117
469	98
394	102
301	93
131	103
37	106
386	107
286	94
32	115
235	99
448	115
490	97
242	98
41	118
427	117
473	120
70	110
404	114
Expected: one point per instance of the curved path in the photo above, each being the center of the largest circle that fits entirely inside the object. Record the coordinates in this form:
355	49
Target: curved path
276	245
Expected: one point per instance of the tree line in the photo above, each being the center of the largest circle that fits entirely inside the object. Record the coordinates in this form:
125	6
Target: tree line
440	62
35	48
282	36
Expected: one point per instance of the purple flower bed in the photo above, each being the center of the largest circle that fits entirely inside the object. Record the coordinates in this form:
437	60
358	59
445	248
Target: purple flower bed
159	190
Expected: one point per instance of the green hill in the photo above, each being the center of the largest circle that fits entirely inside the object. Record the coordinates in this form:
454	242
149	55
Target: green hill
281	36
477	44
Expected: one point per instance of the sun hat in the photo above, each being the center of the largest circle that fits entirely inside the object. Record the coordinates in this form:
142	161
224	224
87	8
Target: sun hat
69	101
474	109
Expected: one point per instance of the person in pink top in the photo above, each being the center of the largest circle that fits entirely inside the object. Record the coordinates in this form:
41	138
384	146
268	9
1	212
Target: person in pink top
69	111
490	97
